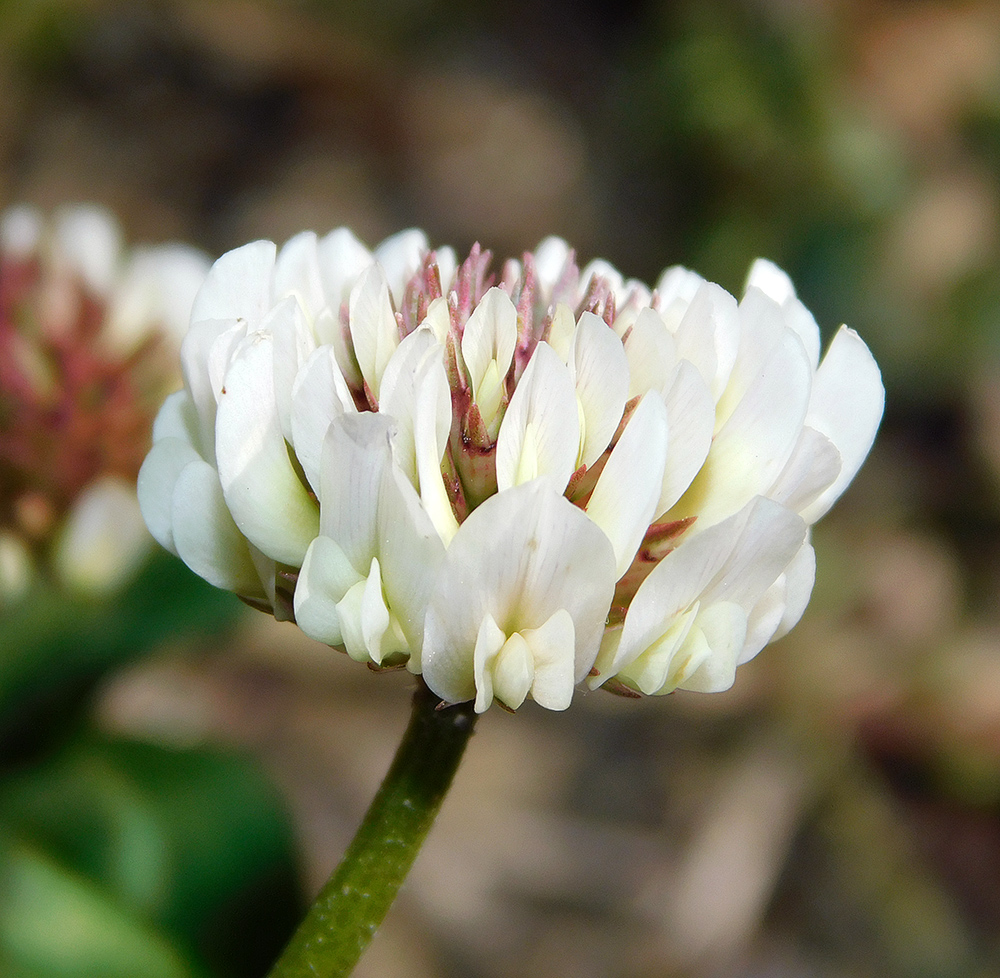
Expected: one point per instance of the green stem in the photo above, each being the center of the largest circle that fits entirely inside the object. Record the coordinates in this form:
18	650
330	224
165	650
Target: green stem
357	897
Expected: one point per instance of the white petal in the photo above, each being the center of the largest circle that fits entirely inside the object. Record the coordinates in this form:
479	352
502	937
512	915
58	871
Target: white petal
157	289
90	240
540	432
375	620
521	556
769	536
342	258
846	405
177	418
319	395
489	641
207	539
652	354
800	576
771	280
600	372
513	673
551	257
411	553
690	420
155	486
627	492
356	455
708	335
676	288
754	445
294	343
398	396
490	337
268	501
326	576
552	654
401	256
813	467
238	285
297	273
723	628
734	561
561	331
103	539
373	325
205	354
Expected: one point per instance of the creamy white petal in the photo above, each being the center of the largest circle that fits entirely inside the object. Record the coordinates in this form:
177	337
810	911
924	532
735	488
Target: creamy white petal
155	486
551	257
519	557
600	371
708	335
723	628
356	454
767	537
846	405
627	492
411	553
319	395
374	329
398	396
269	503
326	576
561	331
488	348
773	282
651	351
690	420
761	329
177	418
401	256
431	427
342	258
207	539
551	648
754	445
238	285
540	433
297	273
103	540
156	291
800	576
89	239
294	342
813	467
205	355
735	562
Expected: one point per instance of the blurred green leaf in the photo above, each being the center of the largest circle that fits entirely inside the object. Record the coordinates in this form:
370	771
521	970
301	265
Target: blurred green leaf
197	841
56	924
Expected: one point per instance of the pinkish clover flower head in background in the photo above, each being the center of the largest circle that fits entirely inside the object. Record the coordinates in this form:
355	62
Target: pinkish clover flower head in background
89	334
512	478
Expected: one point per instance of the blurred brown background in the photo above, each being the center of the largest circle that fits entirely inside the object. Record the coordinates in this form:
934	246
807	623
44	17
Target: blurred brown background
838	812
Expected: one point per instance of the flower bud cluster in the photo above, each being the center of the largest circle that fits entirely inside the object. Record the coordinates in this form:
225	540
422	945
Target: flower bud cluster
515	479
89	334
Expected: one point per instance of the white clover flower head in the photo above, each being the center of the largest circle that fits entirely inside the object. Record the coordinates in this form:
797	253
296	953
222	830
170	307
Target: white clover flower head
512	480
89	336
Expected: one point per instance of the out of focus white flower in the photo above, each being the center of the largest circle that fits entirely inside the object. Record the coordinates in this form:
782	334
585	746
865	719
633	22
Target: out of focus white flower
89	333
510	483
